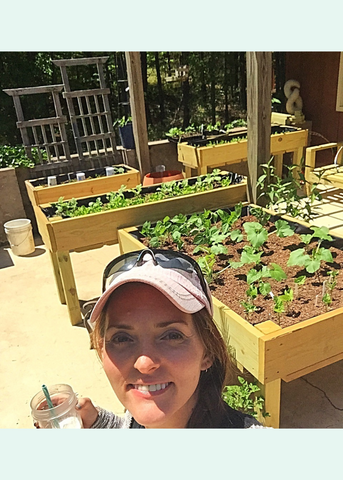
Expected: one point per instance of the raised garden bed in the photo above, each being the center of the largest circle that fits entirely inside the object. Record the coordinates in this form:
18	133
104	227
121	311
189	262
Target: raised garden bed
62	235
96	183
271	345
199	156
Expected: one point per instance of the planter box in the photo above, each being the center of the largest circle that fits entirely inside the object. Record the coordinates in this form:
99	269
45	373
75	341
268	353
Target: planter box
40	193
201	157
267	351
95	230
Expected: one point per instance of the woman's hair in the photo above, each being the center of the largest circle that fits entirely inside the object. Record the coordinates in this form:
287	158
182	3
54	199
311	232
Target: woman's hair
209	411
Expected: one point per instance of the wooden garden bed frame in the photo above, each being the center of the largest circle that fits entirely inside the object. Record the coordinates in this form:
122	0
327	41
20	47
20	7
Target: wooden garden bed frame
86	188
61	236
200	158
332	174
271	353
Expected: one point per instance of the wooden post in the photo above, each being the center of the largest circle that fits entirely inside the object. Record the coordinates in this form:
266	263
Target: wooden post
259	74
139	124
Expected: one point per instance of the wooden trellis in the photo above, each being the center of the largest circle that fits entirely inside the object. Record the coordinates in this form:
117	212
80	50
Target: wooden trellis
43	133
89	112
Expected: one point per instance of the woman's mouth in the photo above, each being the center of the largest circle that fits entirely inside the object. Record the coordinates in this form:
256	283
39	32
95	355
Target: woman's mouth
146	389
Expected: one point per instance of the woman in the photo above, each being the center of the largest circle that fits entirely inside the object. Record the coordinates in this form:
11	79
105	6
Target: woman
160	348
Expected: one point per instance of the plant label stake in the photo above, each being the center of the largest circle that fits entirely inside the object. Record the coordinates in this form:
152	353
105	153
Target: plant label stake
80	176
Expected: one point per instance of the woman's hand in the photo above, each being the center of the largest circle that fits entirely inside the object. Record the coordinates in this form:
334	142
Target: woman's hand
87	411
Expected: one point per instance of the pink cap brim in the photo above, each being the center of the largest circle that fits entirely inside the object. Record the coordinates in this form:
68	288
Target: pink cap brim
182	289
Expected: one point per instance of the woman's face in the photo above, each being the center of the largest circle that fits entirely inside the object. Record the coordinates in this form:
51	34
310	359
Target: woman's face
152	356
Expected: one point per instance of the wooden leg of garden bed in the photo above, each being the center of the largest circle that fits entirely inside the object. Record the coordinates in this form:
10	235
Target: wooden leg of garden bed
278	163
69	287
272	399
188	171
58	279
202	170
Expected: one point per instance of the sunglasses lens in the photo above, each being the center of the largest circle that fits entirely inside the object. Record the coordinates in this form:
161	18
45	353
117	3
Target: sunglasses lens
164	258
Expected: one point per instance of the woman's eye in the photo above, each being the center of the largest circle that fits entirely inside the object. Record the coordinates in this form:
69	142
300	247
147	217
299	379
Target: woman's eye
173	336
120	339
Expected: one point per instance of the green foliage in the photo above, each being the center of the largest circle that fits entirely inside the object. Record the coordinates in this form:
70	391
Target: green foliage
206	264
283	229
327	300
284	194
123	121
279	306
16	157
262	216
312	261
166	190
256	234
243	397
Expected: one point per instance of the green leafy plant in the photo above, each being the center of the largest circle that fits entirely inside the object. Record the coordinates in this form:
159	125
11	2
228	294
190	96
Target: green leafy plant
262	215
312	261
244	397
287	298
297	283
327	300
284	194
279	306
206	264
123	121
16	156
256	234
328	288
283	229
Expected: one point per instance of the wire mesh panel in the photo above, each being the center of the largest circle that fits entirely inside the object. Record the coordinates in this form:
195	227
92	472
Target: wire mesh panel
44	138
89	112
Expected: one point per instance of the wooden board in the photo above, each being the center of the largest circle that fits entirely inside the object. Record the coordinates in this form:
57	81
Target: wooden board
102	228
229	153
86	188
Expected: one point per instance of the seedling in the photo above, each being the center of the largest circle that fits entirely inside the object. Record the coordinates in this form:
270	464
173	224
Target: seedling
297	282
327	300
206	264
312	262
262	216
329	285
279	307
256	234
283	229
287	298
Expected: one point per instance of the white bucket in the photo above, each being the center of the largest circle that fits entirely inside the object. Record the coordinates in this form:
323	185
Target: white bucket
19	236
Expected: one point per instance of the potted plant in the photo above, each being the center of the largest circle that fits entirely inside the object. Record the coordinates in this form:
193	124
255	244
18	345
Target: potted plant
126	132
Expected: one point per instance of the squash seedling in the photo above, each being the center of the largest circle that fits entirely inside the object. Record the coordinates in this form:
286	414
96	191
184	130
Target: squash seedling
312	261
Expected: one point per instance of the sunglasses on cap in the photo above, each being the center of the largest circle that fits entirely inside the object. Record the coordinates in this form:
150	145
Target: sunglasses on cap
164	258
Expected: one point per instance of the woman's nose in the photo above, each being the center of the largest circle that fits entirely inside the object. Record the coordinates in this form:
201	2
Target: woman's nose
146	364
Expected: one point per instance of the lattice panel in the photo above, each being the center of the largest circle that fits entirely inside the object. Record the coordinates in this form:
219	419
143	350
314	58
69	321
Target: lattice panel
47	134
89	112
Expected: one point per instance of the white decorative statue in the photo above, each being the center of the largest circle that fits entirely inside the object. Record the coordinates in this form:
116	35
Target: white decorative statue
294	103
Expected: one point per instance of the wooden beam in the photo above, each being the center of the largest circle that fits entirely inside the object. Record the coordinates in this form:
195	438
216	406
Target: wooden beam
137	104
259	74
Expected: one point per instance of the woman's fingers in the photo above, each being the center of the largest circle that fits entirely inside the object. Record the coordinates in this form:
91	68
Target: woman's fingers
87	411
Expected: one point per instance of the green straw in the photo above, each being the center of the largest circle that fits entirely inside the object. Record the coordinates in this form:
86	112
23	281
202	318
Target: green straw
50	405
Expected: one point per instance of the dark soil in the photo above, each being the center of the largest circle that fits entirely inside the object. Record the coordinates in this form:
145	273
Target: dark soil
230	286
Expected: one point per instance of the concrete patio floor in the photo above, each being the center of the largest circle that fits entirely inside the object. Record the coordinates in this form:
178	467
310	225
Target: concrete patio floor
39	345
